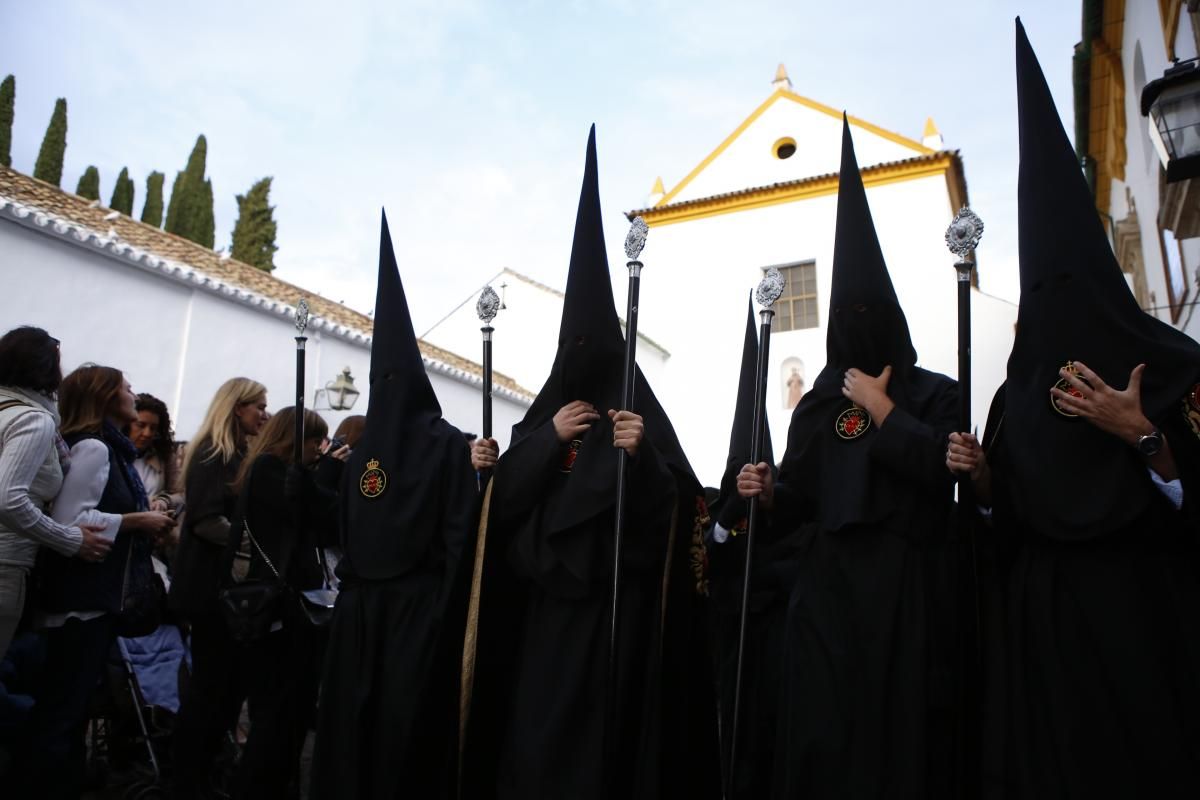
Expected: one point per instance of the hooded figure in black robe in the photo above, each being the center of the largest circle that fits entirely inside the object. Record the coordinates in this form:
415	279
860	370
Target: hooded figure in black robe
769	586
387	723
1101	690
864	687
538	640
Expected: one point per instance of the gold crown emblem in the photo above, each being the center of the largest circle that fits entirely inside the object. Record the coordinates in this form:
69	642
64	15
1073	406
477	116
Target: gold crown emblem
372	464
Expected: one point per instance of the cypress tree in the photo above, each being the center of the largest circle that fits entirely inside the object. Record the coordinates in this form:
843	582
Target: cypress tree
152	212
49	164
8	93
190	211
122	196
173	205
254	232
205	224
89	184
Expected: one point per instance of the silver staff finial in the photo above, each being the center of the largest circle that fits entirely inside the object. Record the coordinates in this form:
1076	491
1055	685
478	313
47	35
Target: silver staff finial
769	288
301	316
635	240
964	232
488	305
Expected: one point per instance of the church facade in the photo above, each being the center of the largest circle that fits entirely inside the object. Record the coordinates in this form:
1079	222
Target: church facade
766	197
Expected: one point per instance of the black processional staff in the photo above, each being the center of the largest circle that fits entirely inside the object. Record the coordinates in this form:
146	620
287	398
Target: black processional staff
962	237
487	307
768	291
635	240
301	339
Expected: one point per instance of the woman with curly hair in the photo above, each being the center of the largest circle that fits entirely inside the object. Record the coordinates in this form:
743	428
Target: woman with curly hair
153	437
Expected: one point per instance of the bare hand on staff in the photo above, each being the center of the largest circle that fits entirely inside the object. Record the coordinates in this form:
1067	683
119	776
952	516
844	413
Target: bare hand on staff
964	456
627	430
94	546
869	392
573	419
484	453
756	480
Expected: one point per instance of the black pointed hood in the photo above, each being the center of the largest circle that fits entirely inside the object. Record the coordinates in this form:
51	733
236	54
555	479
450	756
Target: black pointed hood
1075	305
867	328
729	508
407	453
588	366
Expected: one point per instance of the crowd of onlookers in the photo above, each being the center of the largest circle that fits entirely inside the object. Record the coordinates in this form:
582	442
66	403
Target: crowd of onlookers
109	528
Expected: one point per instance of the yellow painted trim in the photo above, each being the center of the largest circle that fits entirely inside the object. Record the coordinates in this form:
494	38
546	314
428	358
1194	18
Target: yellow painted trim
930	127
758	112
803	190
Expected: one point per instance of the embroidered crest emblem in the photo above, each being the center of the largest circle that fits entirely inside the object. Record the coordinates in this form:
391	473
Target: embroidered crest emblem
568	462
373	481
1063	385
1191	409
852	423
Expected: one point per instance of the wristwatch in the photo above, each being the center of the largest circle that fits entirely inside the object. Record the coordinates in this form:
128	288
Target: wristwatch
1150	444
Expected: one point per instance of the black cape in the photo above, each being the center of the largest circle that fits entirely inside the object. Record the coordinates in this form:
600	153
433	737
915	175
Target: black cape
387	719
534	715
865	700
1101	681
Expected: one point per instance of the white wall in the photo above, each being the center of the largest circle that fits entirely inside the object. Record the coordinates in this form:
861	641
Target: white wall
526	334
180	342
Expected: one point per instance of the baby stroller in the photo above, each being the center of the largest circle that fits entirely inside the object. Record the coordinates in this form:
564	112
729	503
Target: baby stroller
132	714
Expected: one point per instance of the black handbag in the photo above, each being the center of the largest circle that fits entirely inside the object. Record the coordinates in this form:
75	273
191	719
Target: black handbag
252	606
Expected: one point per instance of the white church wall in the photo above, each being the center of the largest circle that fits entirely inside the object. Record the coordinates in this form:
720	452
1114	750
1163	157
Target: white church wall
180	342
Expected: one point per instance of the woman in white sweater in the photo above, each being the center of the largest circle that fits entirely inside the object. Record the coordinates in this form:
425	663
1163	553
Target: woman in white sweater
31	472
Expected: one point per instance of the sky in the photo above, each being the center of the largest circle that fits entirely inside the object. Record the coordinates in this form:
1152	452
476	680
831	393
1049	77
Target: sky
467	119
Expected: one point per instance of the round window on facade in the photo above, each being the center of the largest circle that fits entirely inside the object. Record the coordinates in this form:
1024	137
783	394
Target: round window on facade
784	148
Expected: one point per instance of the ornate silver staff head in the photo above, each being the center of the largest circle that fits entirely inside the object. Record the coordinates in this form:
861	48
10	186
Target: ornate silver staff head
488	305
635	240
301	316
769	288
964	233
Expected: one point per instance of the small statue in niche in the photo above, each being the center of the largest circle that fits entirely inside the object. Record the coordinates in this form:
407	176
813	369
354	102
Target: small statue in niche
795	388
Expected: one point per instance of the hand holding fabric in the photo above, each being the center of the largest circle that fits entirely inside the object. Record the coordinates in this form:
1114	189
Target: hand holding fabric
628	430
573	419
484	453
1118	413
869	392
95	544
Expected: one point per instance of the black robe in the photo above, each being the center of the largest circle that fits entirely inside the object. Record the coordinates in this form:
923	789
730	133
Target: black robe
865	702
1100	693
537	713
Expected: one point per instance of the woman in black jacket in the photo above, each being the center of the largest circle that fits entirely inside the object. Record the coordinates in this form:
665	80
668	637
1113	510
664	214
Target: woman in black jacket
211	705
285	516
83	605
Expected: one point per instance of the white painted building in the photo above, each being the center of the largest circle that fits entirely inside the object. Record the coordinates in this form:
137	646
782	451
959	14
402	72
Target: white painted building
1154	225
526	332
767	197
180	319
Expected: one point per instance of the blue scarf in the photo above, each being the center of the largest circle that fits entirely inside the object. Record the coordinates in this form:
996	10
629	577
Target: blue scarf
126	455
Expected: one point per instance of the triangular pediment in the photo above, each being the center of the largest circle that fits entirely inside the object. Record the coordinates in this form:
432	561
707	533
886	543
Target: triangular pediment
751	155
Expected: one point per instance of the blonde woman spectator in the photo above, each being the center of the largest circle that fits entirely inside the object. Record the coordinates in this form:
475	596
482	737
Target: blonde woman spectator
215	695
31	473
